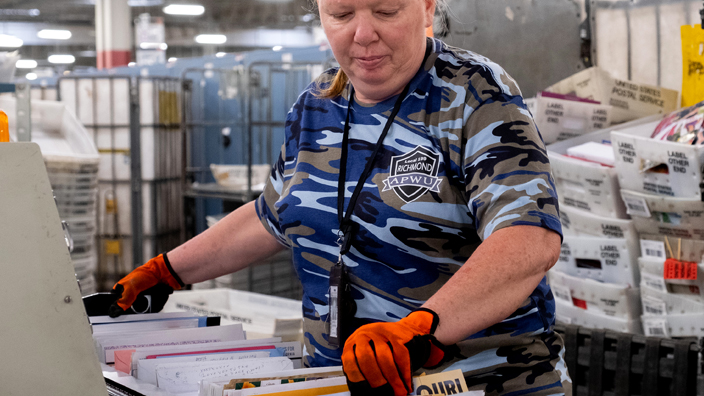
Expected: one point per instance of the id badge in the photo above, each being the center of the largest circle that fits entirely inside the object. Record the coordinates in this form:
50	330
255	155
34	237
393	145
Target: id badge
337	284
341	304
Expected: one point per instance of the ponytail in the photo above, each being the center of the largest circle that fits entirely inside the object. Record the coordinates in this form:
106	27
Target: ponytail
336	87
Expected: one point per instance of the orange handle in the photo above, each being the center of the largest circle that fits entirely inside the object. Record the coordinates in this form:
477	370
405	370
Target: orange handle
4	128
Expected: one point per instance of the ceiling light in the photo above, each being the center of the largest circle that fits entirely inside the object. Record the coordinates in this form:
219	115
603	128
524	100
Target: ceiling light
131	64
172	59
62	59
161	46
144	3
277	48
184	9
10	41
31	76
221	54
52	34
211	39
20	12
26	64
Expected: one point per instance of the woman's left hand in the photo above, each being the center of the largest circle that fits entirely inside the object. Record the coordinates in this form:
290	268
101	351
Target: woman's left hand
379	358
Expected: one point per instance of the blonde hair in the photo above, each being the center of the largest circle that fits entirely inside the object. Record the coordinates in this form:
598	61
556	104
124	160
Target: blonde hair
339	82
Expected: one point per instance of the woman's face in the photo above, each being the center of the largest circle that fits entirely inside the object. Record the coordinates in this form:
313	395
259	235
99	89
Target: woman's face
378	43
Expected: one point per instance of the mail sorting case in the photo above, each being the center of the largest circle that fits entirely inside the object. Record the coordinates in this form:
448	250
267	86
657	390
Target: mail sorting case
236	117
609	363
135	123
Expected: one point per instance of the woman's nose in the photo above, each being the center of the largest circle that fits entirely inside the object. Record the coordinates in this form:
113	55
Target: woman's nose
365	32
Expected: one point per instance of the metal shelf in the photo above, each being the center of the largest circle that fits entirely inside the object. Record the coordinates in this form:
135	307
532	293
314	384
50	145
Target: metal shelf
214	190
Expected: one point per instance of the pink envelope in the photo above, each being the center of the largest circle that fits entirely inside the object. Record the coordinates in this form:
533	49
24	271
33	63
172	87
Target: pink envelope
123	360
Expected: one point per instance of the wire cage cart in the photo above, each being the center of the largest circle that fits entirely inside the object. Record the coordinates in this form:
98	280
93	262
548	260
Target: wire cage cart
233	126
135	126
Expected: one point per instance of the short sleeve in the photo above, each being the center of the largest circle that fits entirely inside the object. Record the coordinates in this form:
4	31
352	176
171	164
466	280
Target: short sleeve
265	205
506	169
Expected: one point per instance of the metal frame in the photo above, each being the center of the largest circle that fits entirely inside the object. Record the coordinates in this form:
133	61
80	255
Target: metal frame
265	94
192	125
165	204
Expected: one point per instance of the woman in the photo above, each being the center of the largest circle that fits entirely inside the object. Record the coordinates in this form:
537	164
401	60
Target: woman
435	250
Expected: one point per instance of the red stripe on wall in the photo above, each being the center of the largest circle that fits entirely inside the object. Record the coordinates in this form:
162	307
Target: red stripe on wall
109	59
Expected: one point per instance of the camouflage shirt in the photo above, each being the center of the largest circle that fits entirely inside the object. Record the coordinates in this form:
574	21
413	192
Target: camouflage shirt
462	160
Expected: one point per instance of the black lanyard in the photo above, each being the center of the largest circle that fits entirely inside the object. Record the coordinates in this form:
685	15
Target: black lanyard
342	306
347	227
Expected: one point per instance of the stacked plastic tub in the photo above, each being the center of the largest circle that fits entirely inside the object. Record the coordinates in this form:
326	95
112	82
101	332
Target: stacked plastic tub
596	280
72	165
75	188
662	186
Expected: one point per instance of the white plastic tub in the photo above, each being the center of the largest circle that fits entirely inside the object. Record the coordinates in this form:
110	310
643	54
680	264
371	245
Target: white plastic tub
569	314
620	301
235	176
585	185
603	259
637	153
667	216
261	316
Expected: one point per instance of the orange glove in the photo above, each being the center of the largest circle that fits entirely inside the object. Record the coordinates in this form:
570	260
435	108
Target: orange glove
379	358
156	271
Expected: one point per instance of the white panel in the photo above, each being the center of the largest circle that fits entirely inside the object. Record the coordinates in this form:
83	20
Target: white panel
84	105
121	101
612	41
123	199
103	97
672	16
644	45
46	340
68	93
147	107
694	8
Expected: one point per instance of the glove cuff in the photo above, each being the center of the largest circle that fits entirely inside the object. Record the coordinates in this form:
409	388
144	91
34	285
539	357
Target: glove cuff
435	319
172	272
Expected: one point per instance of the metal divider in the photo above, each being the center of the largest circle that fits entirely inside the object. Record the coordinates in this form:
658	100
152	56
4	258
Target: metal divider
135	124
237	117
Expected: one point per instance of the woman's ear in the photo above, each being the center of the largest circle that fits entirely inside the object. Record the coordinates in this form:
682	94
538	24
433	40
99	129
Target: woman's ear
429	7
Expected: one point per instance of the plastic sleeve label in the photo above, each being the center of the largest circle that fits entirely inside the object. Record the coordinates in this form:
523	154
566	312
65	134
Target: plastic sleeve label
333	310
562	292
653	282
655	249
636	206
654	306
655	327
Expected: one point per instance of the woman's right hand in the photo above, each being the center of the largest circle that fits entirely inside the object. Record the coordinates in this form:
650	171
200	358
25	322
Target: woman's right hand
155	272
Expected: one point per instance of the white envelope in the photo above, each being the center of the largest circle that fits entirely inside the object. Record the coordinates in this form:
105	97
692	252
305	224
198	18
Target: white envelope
107	345
184	377
147	367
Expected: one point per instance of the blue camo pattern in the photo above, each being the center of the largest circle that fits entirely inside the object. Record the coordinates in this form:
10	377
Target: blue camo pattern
462	160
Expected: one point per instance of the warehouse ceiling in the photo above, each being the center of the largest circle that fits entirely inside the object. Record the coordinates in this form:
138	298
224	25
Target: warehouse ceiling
242	13
23	18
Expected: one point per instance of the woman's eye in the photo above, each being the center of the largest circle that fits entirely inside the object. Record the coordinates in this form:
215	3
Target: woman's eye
341	16
388	13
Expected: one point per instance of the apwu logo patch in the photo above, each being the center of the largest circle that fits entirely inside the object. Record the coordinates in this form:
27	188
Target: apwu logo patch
413	174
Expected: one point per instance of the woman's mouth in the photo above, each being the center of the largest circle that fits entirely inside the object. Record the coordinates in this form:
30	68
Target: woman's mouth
369	62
